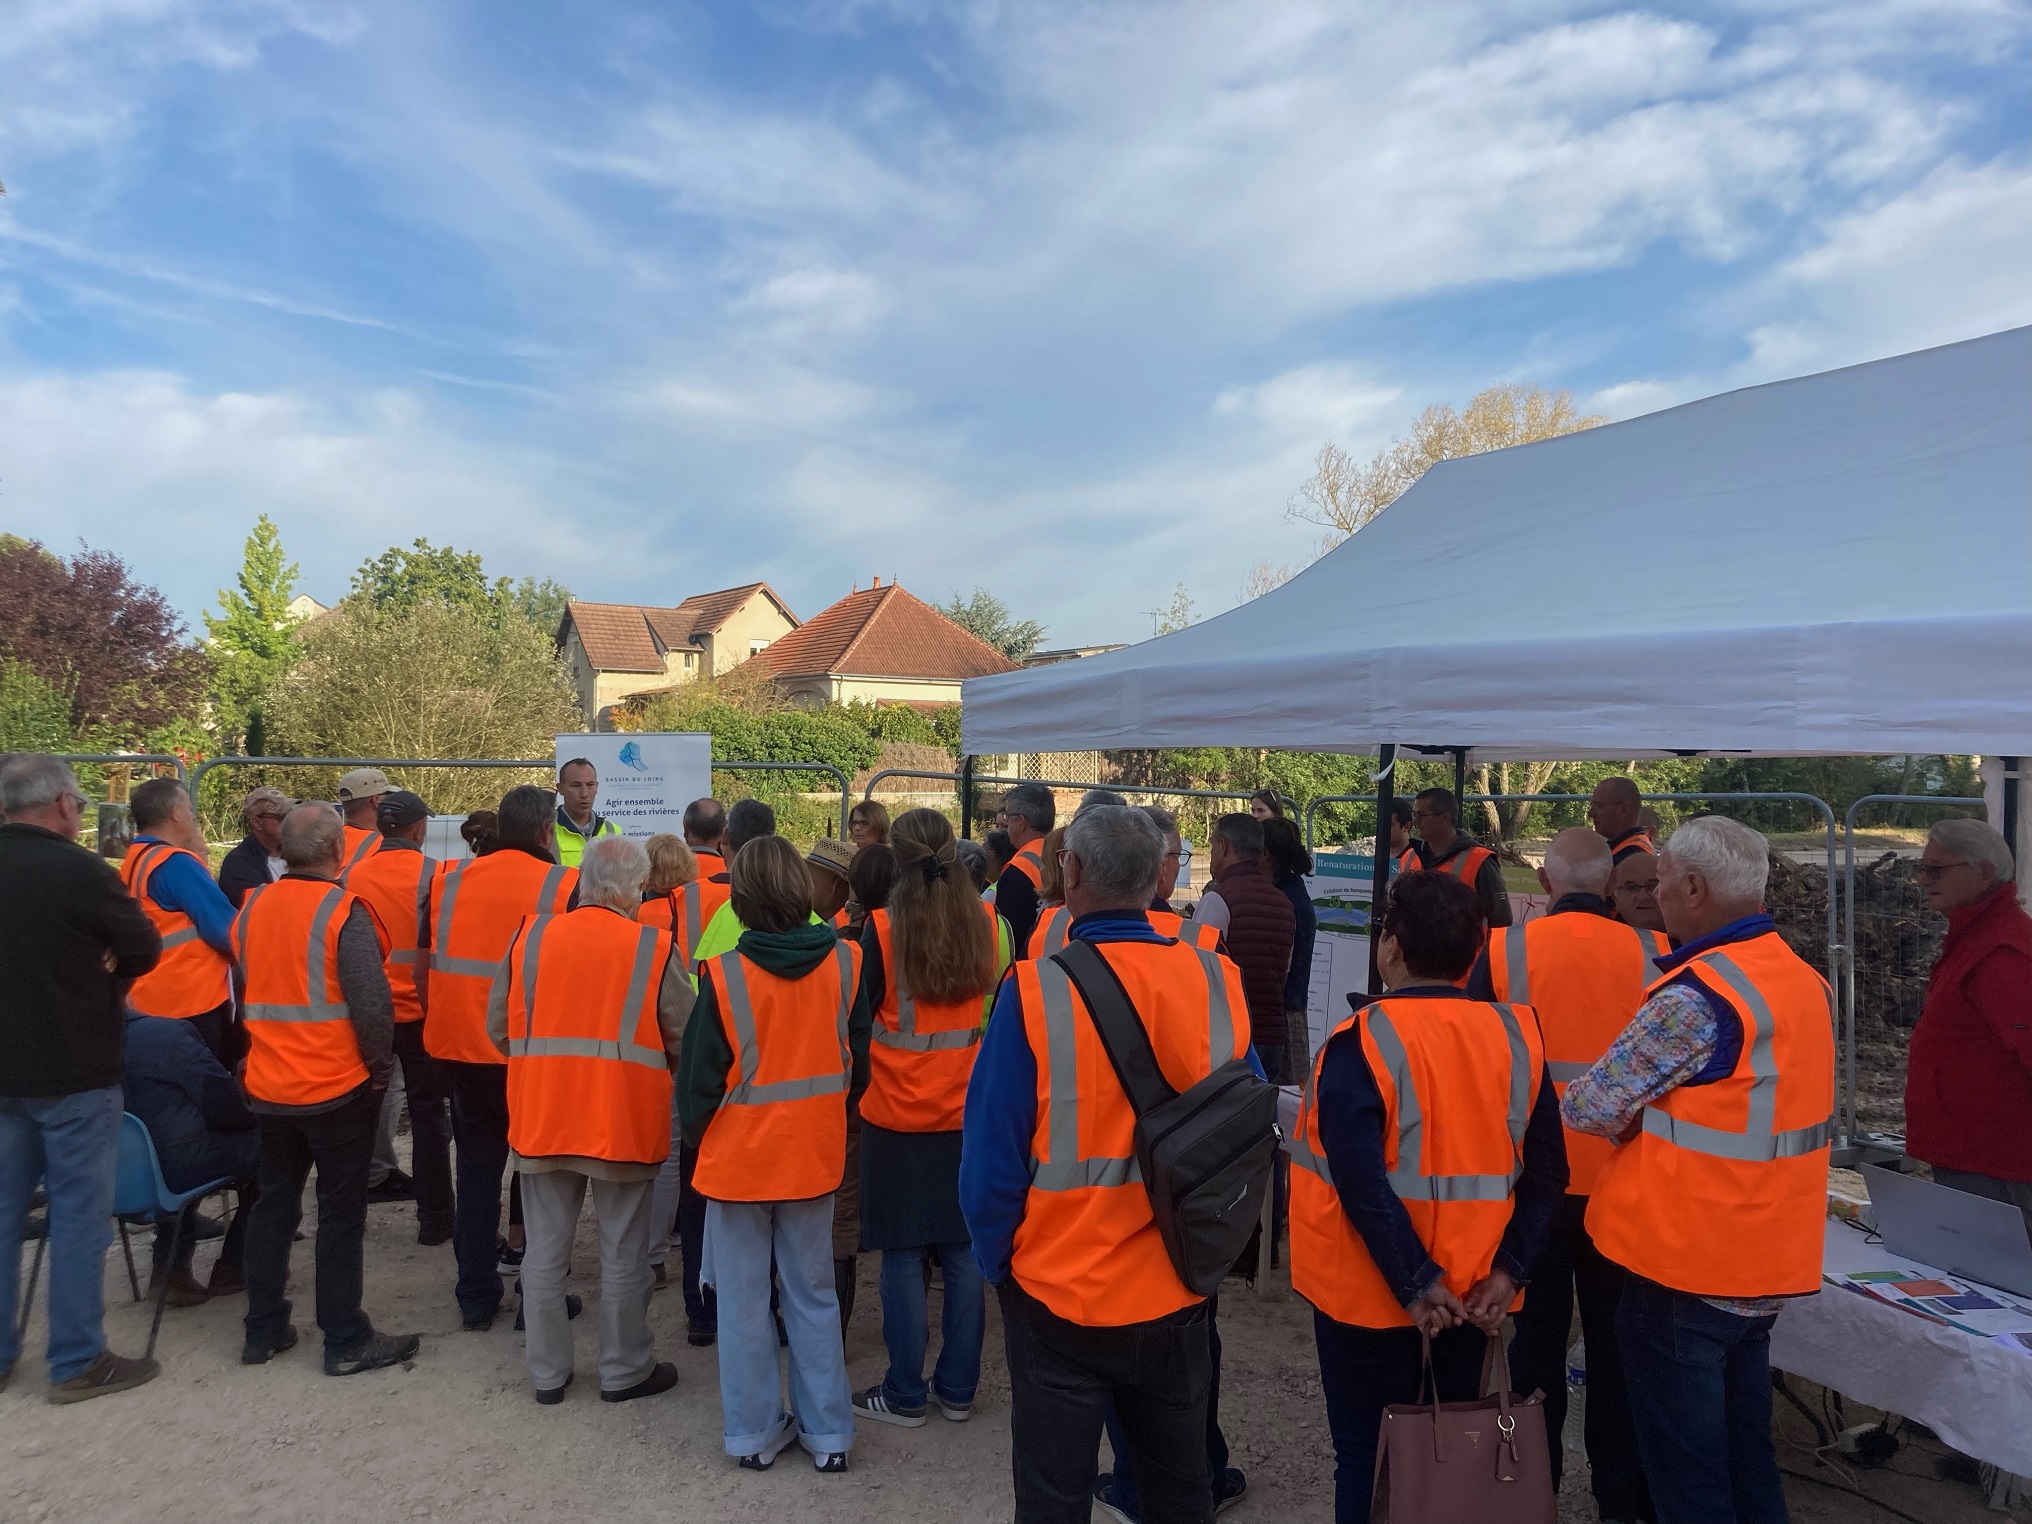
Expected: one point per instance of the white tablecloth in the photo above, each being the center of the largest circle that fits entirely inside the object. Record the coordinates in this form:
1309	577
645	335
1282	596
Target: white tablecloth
1975	1393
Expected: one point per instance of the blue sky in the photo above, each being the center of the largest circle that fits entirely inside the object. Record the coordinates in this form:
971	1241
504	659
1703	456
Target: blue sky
1055	298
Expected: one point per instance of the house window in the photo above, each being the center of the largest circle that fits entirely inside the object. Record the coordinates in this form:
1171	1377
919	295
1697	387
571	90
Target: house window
757	647
689	658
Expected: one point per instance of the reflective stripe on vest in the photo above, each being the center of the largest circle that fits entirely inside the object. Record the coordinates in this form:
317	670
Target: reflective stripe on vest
1063	1169
1056	929
317	952
741	1012
366	849
588	1047
907	1037
475	968
1412	1184
1758	1142
1517	967
694	897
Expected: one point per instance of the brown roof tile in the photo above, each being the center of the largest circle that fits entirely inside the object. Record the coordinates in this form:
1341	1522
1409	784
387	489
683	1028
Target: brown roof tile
882	632
630	637
711	610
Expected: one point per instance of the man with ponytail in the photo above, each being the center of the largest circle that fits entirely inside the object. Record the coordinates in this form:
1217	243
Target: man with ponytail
931	958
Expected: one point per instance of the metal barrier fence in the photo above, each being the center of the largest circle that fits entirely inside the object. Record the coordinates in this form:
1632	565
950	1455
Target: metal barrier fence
1904	934
114	759
986	780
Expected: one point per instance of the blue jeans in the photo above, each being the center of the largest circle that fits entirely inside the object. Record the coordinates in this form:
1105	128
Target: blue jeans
962	1325
1699	1381
68	1144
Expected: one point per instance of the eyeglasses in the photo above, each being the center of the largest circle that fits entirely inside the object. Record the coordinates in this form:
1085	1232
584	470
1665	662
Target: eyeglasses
1182	856
1649	887
1928	872
80	801
1418	814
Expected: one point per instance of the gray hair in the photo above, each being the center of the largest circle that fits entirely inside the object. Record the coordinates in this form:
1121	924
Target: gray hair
1034	803
1978	842
1577	861
34	780
311	836
1094	798
1735	860
1119	851
1166	821
612	873
974	858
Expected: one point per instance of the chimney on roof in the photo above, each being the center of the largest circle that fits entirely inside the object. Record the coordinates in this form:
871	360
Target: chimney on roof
873	583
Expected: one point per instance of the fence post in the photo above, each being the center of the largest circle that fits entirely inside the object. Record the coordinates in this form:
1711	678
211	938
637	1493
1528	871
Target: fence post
967	797
1379	883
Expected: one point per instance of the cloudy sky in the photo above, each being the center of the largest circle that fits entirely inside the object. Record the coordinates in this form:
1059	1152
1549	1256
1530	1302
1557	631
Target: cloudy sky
1051	297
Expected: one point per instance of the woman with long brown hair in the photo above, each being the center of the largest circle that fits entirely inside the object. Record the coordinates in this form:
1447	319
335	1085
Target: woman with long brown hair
931	960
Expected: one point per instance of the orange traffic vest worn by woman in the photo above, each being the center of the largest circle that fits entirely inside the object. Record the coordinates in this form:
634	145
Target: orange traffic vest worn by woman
1723	1192
922	1052
1088	1246
475	908
302	1049
193	976
1585	975
780	1132
396	883
587	1071
1458	1080
686	911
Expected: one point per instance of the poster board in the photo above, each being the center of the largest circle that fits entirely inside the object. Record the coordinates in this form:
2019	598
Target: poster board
1339	887
646	780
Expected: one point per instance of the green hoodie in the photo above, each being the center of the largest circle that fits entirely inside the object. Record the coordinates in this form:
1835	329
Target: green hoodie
708	1056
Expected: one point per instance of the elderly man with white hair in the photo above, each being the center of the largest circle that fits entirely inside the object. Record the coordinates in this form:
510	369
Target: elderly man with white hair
588	1009
1721	1093
1968	1081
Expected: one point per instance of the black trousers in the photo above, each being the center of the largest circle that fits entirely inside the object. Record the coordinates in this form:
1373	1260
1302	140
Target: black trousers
224	1036
339	1144
480	1124
1127	1493
1063	1376
430	1128
701	1303
235	1154
1572	1267
1364	1370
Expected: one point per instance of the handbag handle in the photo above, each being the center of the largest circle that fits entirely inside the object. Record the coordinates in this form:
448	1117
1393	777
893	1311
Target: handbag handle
1506	1422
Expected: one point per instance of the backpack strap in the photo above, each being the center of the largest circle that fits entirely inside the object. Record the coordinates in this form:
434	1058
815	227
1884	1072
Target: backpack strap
1118	1026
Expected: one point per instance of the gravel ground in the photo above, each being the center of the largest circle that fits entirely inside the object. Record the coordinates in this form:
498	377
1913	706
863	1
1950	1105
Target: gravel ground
456	1436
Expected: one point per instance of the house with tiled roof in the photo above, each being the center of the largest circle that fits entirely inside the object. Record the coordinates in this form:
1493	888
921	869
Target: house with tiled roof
879	644
615	650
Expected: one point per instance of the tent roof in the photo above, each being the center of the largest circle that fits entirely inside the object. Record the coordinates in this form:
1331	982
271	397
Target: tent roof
1840	563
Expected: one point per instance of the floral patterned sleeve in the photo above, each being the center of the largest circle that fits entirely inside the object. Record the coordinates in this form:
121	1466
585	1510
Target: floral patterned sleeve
1666	1043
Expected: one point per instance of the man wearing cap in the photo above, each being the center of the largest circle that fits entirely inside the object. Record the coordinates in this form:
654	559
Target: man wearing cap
360	794
257	859
829	861
578	786
395	881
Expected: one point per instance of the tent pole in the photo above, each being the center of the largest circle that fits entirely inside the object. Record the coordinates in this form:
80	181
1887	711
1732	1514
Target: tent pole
1460	783
966	782
1379	887
2011	771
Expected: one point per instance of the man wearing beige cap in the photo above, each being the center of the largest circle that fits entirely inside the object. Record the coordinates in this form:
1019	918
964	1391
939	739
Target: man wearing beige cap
829	861
257	859
360	794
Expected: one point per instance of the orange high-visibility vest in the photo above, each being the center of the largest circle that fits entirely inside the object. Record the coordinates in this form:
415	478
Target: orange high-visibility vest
922	1053
1585	975
1029	861
587	1070
781	1132
397	885
1723	1190
1168	923
193	976
1088	1246
687	910
1465	866
1408	861
1632	840
301	1045
475	907
1458	1078
359	846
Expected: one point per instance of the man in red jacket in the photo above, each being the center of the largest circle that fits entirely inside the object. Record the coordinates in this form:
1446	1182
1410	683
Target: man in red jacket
1968	1080
1258	925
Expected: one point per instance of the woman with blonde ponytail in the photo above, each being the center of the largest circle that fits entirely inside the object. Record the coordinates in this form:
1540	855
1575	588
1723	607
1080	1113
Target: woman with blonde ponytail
932	959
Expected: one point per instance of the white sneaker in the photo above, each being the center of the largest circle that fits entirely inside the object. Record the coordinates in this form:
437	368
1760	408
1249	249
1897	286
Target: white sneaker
958	1412
784	1437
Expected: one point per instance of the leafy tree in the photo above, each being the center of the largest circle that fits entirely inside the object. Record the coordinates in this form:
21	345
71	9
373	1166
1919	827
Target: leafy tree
250	637
541	603
1175	615
85	627
987	618
400	579
1342	494
34	716
425	681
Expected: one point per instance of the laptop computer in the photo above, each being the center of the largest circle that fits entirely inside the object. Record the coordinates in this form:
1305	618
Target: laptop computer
1970	1236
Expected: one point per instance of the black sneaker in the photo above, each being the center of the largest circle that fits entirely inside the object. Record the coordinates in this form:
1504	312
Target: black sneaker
1109	1503
874	1403
550	1397
658	1278
507	1261
658	1381
480	1322
372	1353
394	1186
832	1464
434	1235
574	1304
784	1437
701	1335
258	1351
1233	1487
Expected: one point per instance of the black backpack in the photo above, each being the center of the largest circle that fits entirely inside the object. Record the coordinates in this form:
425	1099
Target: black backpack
1204	1155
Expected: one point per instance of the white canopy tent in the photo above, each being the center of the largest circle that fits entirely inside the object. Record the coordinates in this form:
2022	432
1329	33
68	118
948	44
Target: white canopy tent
1840	563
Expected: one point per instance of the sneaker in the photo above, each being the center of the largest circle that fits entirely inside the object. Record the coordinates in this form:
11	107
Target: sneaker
784	1437
550	1397
658	1277
184	1290
394	1186
106	1375
259	1352
480	1322
372	1353
574	1304
434	1235
658	1381
832	1463
955	1412
1234	1486
1108	1503
874	1403
701	1335
507	1261
226	1280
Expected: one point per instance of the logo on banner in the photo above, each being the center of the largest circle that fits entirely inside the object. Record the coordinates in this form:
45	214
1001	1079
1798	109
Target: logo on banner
631	757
